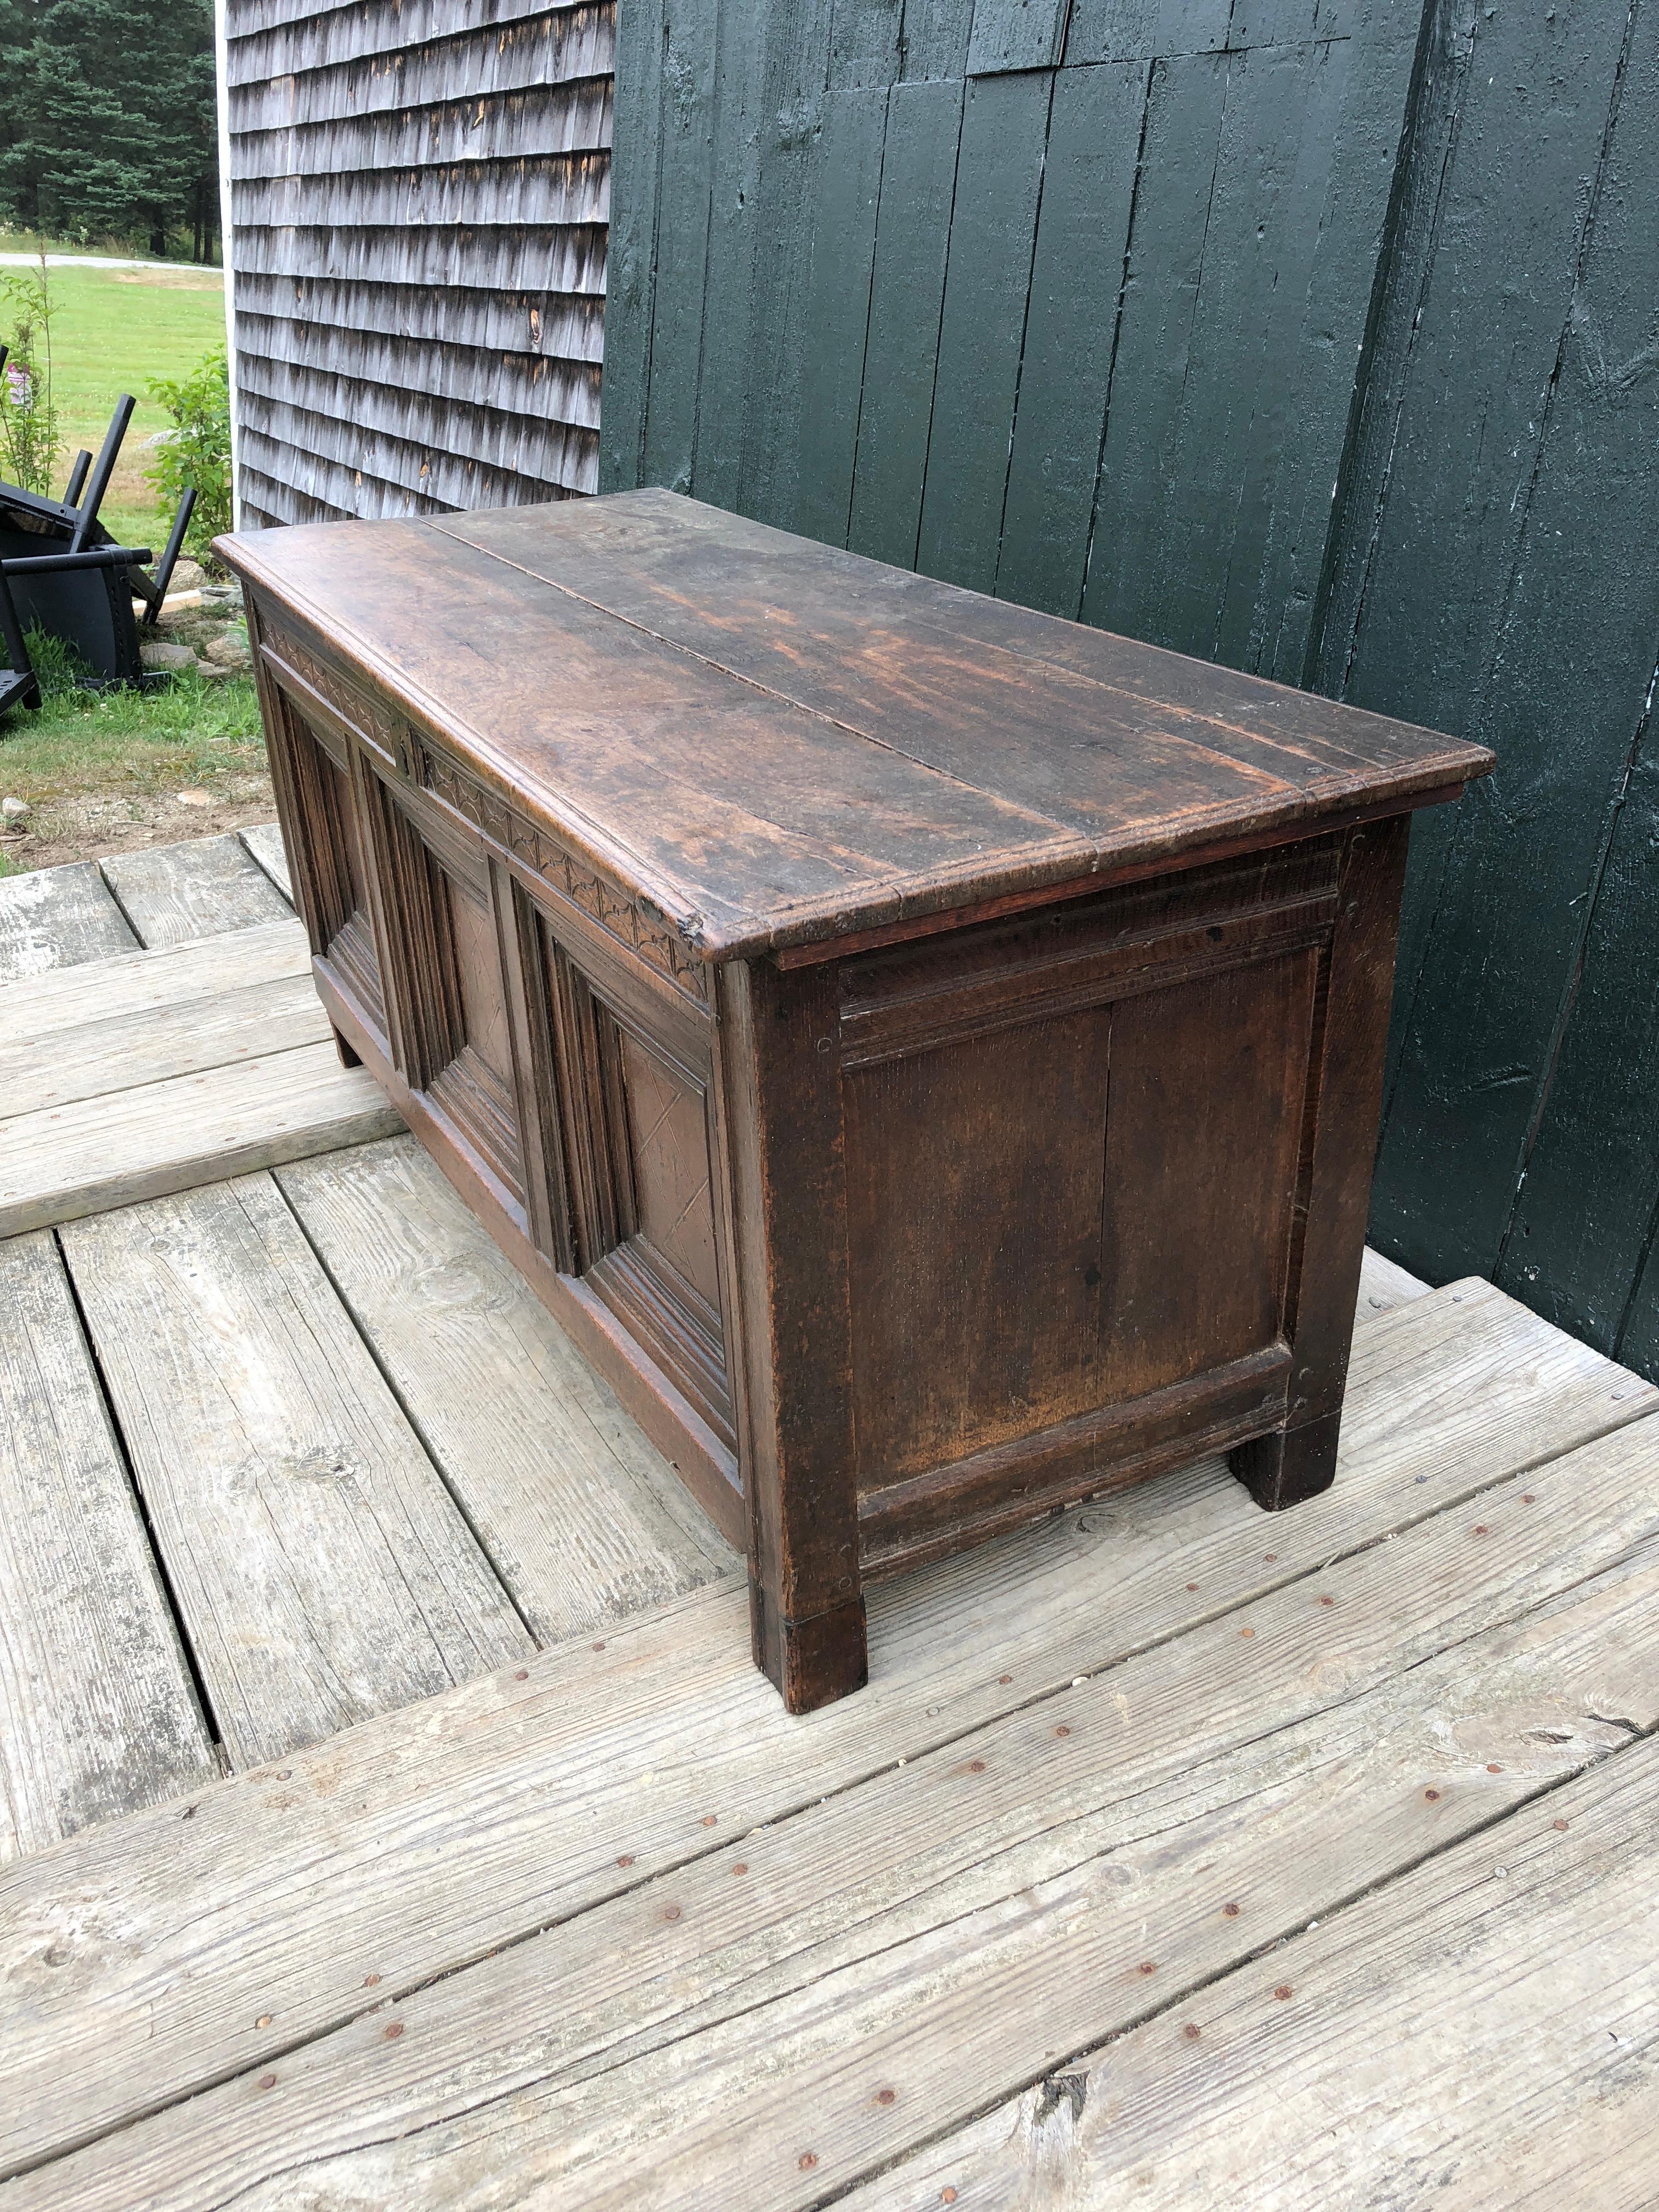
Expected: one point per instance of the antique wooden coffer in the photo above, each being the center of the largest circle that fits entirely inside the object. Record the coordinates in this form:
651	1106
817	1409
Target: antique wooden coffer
927	1054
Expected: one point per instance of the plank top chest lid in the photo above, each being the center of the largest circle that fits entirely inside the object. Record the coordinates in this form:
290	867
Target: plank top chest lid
927	1053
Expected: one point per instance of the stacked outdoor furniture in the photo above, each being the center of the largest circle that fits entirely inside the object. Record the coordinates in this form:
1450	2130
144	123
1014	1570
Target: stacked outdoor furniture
61	570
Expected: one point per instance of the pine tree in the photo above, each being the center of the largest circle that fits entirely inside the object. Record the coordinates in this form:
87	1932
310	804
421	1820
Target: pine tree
108	127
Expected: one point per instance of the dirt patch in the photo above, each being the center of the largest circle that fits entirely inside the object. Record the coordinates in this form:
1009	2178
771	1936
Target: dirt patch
88	825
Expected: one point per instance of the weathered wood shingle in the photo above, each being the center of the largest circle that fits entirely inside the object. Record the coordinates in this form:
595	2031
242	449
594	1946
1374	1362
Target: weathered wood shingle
419	200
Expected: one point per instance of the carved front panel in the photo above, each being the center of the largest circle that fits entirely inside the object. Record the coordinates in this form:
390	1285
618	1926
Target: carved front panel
452	1035
332	863
638	1145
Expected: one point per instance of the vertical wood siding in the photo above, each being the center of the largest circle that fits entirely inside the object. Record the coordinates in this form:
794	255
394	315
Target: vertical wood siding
1320	337
419	199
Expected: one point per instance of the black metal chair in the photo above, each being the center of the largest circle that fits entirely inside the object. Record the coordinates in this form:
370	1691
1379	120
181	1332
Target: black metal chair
19	685
89	604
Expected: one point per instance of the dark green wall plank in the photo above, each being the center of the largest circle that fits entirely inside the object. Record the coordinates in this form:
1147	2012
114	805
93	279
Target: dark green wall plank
794	40
1462	629
866	46
1142	30
1582	643
936	35
734	283
1583	1221
1227	442
988	279
1088	192
1181	148
686	170
631	248
831	338
1015	34
913	231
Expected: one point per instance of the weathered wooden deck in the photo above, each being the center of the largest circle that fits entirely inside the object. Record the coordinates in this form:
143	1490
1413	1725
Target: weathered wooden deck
395	1819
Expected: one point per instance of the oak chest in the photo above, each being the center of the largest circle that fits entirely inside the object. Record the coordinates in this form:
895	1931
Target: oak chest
927	1054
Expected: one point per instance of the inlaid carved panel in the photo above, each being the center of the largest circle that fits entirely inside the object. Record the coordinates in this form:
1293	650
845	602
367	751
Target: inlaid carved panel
637	1146
452	1035
332	861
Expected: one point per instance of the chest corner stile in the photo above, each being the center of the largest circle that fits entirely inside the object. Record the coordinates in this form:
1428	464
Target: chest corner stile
898	1216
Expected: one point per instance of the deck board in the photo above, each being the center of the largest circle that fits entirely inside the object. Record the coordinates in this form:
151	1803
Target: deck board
172	893
582	1517
63	1162
602	1768
99	1714
264	841
34	1008
125	1052
320	1564
53	918
1485	2030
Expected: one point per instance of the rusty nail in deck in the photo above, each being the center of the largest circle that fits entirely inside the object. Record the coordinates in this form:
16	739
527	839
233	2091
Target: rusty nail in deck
599	1646
626	1859
1431	1795
1191	2030
521	1674
394	2029
1062	1729
807	2160
741	1867
1192	1586
1493	1768
1528	1497
1247	1632
370	1980
1147	1967
1327	1600
1481	1529
709	1818
885	2096
264	2021
1272	1558
1005	1678
1282	1991
1231	1911
267	2080
1560	1824
947	2195
671	1913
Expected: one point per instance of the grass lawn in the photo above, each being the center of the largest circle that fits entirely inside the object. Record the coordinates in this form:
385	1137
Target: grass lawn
112	331
102	771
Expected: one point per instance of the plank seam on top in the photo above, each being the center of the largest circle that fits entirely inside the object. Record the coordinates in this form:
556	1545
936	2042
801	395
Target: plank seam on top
784	698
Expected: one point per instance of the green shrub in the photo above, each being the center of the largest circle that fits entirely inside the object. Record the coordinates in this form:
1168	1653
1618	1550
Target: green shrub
28	418
198	450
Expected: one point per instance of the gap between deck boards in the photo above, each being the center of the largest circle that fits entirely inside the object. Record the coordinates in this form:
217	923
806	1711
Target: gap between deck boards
645	1743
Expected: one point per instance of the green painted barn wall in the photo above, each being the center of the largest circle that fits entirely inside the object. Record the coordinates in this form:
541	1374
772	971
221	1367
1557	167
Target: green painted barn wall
1320	337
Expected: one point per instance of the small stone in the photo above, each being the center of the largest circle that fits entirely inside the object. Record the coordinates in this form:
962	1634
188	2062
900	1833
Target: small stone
216	669
229	650
192	797
159	653
15	809
187	576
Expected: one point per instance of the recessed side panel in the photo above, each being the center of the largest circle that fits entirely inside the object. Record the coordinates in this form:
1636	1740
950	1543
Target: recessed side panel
974	1201
1073	1152
1203	1144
